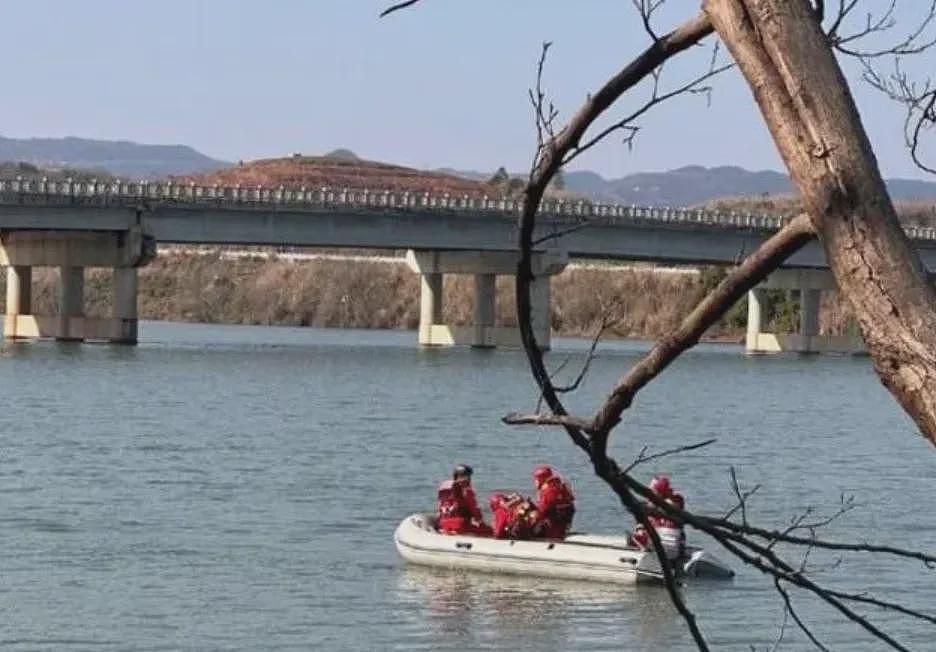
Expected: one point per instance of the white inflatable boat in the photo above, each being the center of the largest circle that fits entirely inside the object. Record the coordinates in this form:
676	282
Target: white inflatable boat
600	558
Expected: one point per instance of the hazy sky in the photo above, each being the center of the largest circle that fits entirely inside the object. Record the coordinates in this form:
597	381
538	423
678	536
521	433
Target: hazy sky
443	84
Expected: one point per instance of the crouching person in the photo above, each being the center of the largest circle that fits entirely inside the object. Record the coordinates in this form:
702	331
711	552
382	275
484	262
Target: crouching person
555	503
514	516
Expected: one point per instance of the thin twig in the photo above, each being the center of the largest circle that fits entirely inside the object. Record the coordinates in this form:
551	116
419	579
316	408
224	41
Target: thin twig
655	99
799	622
400	5
643	459
741	496
558	235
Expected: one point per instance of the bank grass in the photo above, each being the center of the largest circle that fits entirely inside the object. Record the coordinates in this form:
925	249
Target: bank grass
208	287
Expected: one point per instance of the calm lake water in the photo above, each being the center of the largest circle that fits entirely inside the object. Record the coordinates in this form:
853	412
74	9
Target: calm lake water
237	488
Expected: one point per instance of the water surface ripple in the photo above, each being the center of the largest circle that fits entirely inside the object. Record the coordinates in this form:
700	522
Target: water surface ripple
222	488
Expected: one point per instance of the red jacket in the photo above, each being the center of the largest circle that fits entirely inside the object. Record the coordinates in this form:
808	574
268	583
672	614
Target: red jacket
659	519
502	520
458	510
514	518
556	506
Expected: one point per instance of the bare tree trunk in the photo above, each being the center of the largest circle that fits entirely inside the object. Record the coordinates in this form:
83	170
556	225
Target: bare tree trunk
796	80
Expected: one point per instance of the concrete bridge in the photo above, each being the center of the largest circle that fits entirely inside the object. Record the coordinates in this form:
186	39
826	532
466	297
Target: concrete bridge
73	225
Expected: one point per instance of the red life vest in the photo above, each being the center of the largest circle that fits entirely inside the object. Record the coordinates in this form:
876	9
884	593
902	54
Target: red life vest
514	518
556	503
451	501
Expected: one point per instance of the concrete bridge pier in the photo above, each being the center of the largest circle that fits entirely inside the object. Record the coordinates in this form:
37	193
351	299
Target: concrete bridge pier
71	253
19	290
71	304
810	284
485	267
124	311
485	303
430	304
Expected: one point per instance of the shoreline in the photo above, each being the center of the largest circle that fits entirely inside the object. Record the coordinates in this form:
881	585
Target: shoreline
322	290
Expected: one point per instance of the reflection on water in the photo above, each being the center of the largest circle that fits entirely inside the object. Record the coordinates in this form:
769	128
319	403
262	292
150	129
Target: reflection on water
468	609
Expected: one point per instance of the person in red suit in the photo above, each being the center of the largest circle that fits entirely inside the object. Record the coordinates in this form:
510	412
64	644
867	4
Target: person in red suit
513	516
555	503
458	511
662	487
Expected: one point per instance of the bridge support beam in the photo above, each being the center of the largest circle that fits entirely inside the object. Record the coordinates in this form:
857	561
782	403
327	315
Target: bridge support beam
755	317
72	252
810	284
430	305
71	304
19	290
810	300
485	268
485	295
126	288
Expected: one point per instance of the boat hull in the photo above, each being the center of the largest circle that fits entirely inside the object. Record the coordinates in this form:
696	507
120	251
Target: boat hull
601	558
418	542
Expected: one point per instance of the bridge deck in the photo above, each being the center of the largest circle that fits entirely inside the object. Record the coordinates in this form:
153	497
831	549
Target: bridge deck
189	214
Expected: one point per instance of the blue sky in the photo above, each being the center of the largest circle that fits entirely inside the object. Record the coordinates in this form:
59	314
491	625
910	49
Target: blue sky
443	84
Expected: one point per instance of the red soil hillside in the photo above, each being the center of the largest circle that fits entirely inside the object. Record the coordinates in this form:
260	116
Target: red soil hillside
339	172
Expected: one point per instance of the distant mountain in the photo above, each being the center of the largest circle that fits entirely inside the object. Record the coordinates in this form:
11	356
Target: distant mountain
684	186
119	157
694	184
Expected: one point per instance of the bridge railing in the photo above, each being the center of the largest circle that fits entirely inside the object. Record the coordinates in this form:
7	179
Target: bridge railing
260	197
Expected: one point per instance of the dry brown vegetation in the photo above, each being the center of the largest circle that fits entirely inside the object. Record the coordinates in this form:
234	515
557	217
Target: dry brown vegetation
339	172
206	288
352	294
319	171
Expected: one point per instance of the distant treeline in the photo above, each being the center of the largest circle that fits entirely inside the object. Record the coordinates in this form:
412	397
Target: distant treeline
29	171
911	213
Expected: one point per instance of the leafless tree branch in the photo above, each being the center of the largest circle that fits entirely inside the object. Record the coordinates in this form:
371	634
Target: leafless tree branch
607	320
918	99
752	545
912	43
646	9
400	5
544	113
742	497
643	458
520	419
799	622
655	99
820	10
558	235
593	440
736	283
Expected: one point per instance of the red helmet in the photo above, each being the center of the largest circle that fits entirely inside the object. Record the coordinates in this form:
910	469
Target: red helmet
660	485
496	500
542	473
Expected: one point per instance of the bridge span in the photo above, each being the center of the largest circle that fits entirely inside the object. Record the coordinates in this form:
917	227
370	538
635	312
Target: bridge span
72	225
